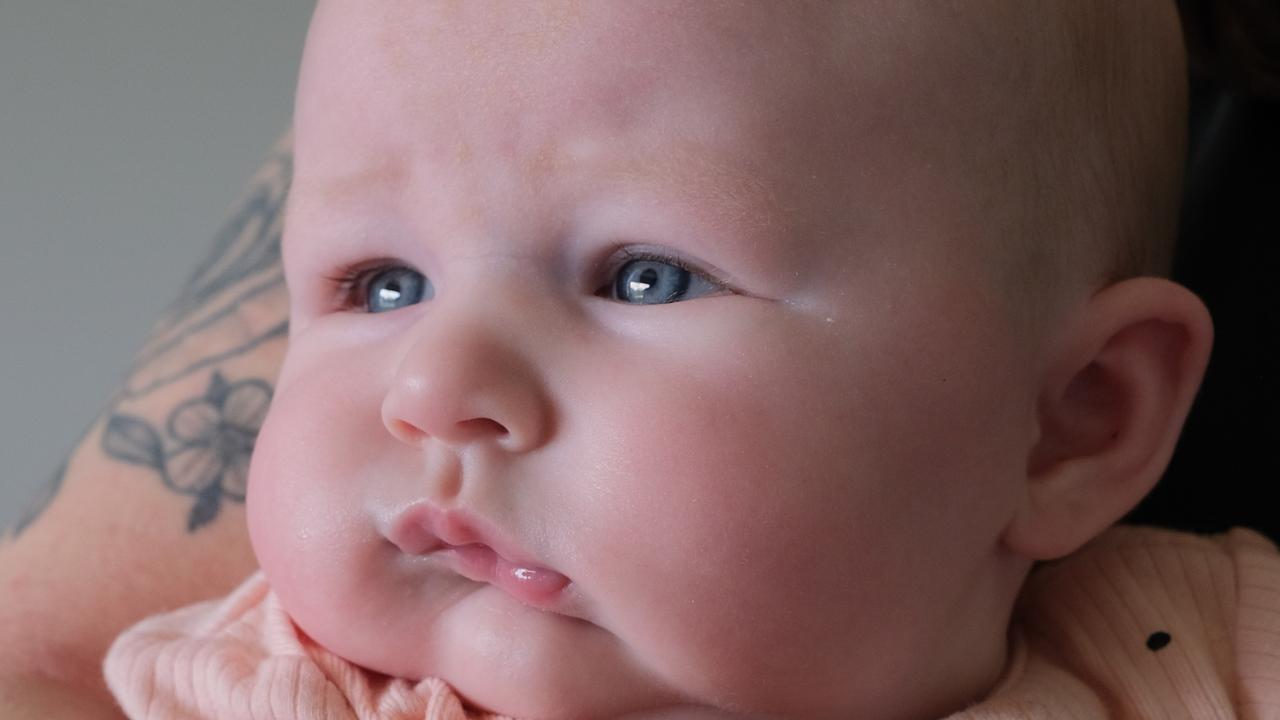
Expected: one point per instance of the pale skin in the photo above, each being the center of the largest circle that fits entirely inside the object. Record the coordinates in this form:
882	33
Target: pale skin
861	351
850	449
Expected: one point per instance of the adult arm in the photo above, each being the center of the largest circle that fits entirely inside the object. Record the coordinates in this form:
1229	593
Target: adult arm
147	513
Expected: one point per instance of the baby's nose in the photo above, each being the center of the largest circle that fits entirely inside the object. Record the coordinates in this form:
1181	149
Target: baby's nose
464	382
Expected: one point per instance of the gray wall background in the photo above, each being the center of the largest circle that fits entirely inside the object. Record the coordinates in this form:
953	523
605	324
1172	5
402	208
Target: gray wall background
127	128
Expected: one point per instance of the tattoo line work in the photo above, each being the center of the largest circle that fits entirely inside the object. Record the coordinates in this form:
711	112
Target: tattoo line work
209	442
204	448
244	266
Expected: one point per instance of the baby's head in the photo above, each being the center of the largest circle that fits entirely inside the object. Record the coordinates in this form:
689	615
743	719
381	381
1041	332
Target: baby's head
734	357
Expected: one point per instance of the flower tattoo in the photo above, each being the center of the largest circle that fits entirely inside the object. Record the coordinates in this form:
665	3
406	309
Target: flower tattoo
210	441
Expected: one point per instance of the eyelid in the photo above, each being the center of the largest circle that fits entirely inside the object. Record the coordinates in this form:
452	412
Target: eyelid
711	274
349	287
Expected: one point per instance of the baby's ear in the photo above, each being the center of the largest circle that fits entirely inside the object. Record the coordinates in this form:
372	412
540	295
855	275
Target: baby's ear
1117	386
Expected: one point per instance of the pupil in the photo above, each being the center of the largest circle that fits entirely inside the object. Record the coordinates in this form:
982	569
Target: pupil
645	280
391	292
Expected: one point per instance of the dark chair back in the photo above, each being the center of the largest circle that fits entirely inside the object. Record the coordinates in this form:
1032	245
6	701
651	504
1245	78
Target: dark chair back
1226	469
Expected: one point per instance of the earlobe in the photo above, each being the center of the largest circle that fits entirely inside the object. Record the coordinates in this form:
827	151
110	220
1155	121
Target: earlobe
1117	387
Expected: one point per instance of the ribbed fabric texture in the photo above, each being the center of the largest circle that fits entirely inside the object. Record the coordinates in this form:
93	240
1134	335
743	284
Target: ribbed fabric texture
1147	623
1141	623
242	658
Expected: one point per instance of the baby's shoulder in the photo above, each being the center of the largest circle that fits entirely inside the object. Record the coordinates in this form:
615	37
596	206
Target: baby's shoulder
1151	618
1236	542
1138	571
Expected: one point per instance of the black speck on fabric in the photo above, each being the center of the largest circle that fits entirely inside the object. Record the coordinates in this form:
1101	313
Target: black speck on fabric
1158	640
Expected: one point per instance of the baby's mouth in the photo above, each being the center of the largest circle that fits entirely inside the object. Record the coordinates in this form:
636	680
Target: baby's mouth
424	530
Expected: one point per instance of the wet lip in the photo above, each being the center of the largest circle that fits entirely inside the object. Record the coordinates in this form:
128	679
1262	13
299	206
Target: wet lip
477	554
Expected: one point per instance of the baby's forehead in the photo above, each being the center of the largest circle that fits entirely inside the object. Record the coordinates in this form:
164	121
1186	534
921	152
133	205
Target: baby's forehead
800	79
588	59
762	114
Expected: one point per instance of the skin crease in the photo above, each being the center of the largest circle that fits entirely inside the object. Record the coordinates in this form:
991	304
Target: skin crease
785	498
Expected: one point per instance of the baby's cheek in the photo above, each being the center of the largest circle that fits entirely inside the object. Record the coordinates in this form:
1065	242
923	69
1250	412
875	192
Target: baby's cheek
728	550
272	529
710	593
295	523
728	619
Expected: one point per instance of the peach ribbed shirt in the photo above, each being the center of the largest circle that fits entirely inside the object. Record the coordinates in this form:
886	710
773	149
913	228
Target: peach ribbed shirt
1141	623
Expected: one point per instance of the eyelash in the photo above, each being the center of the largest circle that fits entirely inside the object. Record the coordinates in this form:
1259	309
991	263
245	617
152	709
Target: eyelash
350	286
626	255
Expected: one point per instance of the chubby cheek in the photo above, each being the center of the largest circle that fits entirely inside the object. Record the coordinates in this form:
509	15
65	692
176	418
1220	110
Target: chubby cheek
307	518
777	506
704	546
707	566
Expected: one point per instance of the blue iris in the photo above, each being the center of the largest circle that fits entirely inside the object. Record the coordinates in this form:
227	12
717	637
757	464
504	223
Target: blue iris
397	287
651	282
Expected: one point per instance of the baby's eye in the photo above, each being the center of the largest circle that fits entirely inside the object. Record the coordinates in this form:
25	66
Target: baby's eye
649	280
383	288
396	287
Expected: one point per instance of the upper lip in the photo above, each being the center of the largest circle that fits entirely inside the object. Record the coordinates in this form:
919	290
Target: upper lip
423	528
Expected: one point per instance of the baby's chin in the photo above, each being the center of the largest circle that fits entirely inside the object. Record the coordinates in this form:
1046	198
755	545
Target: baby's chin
511	659
498	655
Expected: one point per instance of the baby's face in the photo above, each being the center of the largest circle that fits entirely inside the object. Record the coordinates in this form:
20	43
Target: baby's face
641	358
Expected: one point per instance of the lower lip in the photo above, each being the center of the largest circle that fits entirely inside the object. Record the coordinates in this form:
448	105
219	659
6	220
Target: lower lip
538	587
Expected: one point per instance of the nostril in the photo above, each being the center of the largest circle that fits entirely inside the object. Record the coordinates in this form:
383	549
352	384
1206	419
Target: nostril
462	432
405	431
484	426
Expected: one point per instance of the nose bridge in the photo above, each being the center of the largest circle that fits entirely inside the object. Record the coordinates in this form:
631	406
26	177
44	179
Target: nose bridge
469	371
499	298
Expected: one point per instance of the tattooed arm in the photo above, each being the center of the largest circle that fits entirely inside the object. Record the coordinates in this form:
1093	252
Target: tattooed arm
147	512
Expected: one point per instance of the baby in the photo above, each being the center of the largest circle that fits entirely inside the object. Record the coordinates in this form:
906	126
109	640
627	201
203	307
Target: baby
711	359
